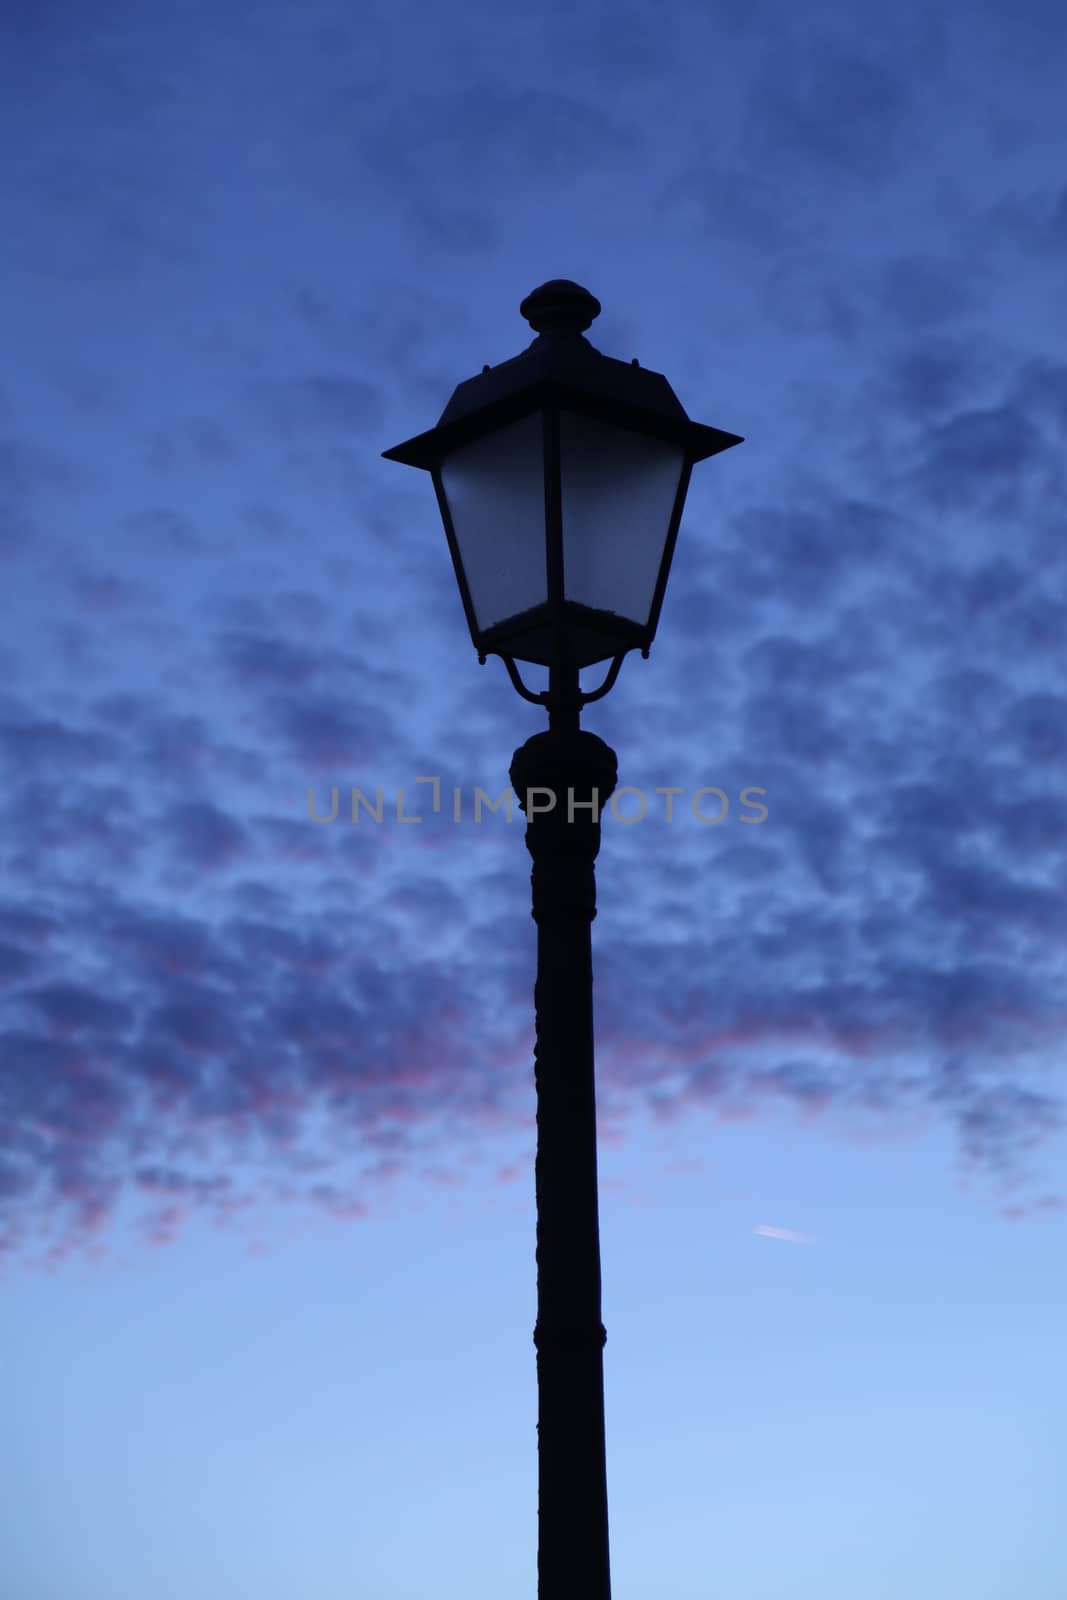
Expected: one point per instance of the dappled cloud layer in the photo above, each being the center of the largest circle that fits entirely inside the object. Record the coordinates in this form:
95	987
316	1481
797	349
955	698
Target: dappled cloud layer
221	598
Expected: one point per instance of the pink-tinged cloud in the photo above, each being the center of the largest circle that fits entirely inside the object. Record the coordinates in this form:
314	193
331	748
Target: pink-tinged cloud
1044	1205
369	1023
104	593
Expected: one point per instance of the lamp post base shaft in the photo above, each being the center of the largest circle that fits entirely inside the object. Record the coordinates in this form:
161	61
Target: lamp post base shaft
573	1552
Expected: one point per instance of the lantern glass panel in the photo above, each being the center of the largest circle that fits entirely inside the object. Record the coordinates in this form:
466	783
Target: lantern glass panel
618	490
495	491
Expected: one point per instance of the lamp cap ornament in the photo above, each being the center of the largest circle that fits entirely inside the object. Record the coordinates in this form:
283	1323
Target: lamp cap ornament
560	306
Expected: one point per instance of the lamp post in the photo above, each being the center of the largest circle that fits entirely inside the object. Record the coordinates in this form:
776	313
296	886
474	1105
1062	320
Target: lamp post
561	476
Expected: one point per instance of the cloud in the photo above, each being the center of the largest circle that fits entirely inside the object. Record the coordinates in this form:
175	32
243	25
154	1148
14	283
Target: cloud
487	131
978	458
324	401
796	114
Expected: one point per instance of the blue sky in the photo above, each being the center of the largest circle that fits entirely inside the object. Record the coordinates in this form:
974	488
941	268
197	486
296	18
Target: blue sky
266	1099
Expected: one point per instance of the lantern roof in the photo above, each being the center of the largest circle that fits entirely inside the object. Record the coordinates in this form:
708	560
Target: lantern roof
560	366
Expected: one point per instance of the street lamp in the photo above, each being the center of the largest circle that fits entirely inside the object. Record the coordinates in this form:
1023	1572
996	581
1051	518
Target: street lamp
561	476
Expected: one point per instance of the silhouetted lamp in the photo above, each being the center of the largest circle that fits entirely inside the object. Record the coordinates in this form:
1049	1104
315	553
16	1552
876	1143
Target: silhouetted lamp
561	476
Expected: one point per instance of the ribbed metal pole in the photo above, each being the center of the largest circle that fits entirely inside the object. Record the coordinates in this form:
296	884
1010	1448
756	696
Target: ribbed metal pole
572	1546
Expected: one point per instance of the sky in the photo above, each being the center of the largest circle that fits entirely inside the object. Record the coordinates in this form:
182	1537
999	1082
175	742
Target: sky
266	1090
